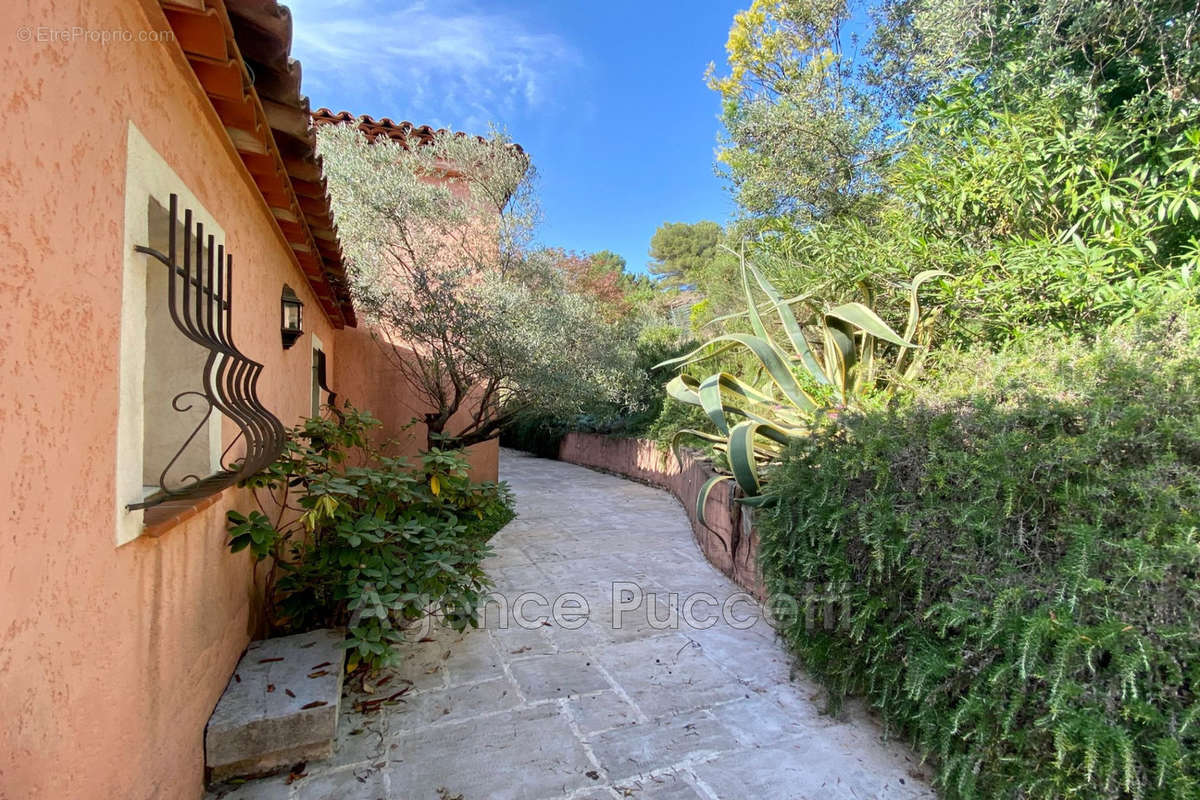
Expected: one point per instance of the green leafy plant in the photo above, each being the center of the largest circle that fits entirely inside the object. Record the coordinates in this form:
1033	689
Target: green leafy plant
642	413
1014	553
1063	217
826	364
1027	148
365	541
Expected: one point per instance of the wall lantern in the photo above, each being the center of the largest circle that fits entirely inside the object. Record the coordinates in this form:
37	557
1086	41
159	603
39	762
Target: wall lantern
291	310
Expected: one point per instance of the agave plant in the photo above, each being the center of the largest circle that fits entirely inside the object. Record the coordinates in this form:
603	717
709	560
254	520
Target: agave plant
835	369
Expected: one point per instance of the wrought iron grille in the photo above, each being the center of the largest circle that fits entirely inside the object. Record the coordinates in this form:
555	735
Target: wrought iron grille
322	378
200	303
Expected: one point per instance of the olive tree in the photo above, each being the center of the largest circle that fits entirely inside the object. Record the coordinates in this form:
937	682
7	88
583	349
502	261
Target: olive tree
435	236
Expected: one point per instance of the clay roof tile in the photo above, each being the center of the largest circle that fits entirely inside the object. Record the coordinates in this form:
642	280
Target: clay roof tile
239	51
400	132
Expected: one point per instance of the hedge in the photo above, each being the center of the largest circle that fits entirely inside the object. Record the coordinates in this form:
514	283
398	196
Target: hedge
1013	559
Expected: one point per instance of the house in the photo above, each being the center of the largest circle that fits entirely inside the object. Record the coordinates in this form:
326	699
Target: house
174	298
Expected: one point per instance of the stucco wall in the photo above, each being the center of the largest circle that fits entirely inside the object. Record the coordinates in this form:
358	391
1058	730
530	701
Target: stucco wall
366	374
111	658
729	541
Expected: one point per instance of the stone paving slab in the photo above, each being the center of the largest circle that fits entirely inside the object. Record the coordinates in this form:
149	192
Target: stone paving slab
532	709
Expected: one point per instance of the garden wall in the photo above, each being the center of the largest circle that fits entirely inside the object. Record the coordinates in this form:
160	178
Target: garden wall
730	542
366	374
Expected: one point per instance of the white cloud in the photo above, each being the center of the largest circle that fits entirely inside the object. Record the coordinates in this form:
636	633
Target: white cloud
444	64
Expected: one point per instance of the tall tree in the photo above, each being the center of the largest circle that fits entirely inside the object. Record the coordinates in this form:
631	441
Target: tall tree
609	263
642	294
683	252
597	276
804	138
481	328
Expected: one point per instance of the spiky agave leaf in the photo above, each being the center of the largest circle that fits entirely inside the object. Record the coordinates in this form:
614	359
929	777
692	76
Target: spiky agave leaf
915	356
791	326
683	388
768	306
769	356
867	321
774	415
914	306
695	356
742	461
702	500
709	395
682	433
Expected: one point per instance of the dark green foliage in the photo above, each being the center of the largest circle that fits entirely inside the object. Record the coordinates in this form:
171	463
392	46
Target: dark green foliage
1014	544
539	434
1046	154
1057	148
366	541
648	411
689	255
672	418
1016	556
1060	216
654	345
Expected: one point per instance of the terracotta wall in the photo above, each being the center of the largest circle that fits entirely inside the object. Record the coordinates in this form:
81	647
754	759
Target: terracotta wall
367	375
111	658
729	541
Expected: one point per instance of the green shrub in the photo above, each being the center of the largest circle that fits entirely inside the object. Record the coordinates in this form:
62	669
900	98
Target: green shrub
1015	554
674	417
541	433
1064	217
364	541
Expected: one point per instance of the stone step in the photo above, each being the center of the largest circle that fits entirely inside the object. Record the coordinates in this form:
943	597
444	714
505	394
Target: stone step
280	707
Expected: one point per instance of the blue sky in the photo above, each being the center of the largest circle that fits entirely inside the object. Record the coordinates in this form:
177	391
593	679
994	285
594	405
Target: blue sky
608	97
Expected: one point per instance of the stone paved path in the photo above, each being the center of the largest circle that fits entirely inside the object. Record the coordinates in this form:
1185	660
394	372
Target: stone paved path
641	709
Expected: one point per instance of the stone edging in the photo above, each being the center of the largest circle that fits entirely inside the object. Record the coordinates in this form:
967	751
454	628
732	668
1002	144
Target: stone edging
730	543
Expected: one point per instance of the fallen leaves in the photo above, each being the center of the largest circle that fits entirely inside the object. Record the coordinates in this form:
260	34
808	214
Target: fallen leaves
297	772
372	705
372	688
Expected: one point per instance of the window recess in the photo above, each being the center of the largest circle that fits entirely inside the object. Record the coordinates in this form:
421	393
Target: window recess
195	285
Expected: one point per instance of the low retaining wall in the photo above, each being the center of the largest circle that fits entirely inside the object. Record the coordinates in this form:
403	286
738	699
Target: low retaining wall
729	542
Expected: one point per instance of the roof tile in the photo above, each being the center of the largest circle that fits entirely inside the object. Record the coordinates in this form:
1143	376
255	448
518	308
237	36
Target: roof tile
403	133
240	52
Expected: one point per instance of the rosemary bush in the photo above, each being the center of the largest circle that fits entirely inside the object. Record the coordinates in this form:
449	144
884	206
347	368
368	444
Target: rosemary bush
1015	553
